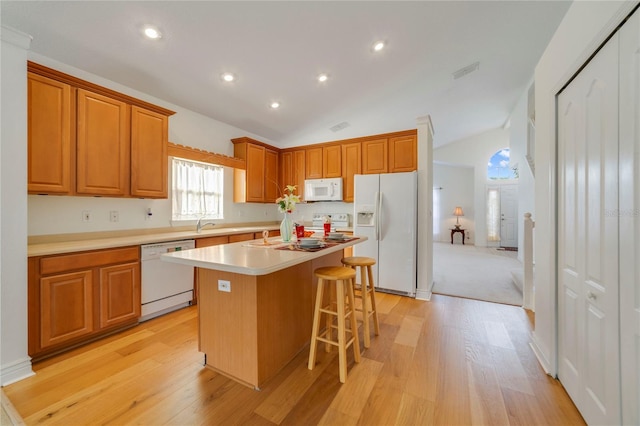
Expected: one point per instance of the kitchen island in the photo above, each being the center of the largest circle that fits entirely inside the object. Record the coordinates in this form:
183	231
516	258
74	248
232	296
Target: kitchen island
255	303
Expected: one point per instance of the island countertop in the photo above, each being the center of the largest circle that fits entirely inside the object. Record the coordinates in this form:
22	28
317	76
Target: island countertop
251	257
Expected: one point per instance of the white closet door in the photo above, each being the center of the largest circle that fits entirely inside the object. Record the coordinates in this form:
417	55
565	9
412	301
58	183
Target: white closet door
588	298
630	219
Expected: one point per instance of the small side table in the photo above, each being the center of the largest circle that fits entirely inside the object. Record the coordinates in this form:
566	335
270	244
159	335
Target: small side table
454	230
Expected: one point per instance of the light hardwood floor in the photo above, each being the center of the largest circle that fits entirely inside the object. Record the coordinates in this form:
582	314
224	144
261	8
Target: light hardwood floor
450	361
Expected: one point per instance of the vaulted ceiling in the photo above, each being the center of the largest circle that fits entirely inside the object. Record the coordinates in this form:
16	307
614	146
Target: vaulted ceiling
276	50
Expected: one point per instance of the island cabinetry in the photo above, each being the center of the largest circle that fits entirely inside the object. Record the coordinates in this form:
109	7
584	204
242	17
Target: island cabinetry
85	139
351	165
403	155
206	242
375	156
258	182
253	331
75	298
50	135
292	170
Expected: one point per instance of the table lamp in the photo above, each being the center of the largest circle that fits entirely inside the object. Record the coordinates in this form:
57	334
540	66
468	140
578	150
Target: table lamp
457	212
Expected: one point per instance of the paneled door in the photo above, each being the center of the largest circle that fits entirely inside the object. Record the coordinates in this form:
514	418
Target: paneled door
588	282
508	215
629	214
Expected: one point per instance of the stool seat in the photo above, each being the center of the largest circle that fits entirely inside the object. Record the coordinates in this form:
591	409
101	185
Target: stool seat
358	261
367	293
335	273
341	280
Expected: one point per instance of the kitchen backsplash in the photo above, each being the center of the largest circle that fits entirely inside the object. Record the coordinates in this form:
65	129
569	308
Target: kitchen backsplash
50	214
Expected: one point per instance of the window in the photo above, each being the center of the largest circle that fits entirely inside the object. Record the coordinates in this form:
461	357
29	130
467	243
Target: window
498	167
196	190
493	213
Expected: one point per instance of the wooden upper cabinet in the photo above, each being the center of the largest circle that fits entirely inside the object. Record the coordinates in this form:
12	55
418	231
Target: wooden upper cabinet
403	154
149	140
375	156
50	136
84	139
102	145
332	161
271	190
258	182
351	165
286	169
299	171
313	163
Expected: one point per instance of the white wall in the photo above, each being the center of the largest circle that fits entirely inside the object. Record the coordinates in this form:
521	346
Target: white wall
457	183
475	152
59	215
15	362
526	182
585	27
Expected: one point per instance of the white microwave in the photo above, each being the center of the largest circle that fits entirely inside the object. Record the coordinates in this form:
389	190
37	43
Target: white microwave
323	189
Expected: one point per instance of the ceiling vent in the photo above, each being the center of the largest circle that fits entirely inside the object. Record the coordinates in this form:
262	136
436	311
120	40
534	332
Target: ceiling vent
466	70
339	126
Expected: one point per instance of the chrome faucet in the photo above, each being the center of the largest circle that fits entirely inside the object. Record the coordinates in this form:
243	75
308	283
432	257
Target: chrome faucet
201	225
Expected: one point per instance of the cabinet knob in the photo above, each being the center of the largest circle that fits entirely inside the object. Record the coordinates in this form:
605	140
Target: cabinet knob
591	295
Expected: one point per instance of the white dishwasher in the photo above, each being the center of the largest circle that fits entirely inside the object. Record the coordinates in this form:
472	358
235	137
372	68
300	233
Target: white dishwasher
165	286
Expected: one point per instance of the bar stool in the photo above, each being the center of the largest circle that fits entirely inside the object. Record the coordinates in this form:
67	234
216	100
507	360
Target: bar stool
343	278
366	289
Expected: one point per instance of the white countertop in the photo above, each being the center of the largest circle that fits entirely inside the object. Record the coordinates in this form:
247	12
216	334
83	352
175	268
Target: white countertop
243	258
75	245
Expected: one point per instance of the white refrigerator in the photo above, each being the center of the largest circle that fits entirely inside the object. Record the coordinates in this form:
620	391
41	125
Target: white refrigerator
386	212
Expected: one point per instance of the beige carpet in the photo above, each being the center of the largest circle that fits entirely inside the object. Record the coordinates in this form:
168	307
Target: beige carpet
475	273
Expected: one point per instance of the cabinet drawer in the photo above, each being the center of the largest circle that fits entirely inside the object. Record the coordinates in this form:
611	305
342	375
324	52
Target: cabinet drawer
71	262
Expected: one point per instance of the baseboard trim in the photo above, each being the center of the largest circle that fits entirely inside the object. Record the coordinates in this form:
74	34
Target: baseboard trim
16	371
544	362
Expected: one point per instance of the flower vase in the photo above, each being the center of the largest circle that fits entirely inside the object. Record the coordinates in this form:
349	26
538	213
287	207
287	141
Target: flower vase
286	228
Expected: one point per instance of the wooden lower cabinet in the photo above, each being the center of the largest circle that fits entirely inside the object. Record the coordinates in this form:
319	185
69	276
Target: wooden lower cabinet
66	307
76	298
119	294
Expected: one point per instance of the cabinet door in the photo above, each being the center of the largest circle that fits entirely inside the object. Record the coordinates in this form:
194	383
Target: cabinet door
271	191
66	307
332	161
211	241
149	139
351	166
241	237
119	294
286	170
255	173
299	171
102	145
313	160
49	136
403	154
375	157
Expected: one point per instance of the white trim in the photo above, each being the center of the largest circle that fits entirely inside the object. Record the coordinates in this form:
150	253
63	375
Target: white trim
422	294
16	371
544	362
15	37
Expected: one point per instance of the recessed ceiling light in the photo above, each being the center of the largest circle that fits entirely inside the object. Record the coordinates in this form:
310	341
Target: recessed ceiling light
275	105
378	46
228	77
322	78
152	32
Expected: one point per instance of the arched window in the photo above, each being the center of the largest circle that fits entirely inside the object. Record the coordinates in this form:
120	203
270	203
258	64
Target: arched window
499	168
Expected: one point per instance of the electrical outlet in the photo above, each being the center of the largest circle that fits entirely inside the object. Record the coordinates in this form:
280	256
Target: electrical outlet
114	216
224	285
86	215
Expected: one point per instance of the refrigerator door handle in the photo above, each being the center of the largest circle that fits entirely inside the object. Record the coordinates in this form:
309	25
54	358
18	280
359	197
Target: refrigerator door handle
378	211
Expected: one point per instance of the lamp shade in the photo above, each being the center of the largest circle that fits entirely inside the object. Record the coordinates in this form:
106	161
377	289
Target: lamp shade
458	211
